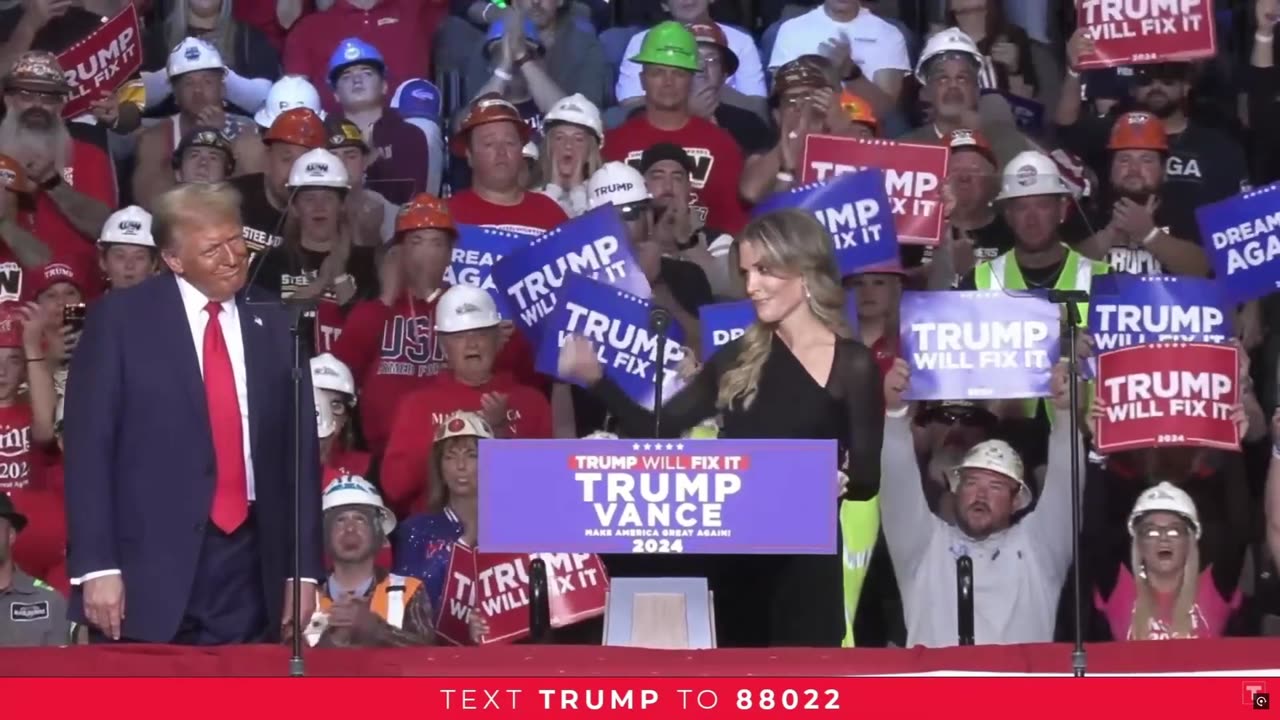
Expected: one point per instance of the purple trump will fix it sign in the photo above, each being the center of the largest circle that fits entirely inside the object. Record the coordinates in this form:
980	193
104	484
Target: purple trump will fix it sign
647	496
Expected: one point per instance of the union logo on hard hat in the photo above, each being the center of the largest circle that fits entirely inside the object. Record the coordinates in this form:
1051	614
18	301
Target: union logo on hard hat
961	137
467	309
192	52
1026	175
457	425
8	175
317	168
130	226
351	53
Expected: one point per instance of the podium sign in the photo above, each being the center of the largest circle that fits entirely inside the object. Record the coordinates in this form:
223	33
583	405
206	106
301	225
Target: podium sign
636	496
660	614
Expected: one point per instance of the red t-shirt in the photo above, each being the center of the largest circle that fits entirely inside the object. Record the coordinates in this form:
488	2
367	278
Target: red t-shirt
535	214
400	29
393	351
90	172
36	492
262	16
716	156
405	466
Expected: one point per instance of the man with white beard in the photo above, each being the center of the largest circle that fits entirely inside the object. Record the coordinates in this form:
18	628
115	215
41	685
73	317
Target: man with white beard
73	180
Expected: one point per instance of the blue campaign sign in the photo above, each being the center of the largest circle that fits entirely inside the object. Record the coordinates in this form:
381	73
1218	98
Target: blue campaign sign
1028	114
617	323
632	496
1242	237
854	209
978	345
722	323
476	251
1132	310
594	245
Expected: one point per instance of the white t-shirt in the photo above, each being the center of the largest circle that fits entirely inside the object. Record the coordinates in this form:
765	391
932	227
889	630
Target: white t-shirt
876	44
748	80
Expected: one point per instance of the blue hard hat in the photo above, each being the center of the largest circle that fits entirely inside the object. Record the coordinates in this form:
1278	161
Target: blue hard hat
417	98
497	28
354	51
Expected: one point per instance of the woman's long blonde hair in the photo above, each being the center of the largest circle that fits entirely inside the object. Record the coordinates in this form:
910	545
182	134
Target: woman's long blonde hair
795	243
547	165
1182	622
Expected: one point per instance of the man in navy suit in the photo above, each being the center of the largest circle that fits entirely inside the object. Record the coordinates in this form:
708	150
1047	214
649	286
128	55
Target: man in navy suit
178	438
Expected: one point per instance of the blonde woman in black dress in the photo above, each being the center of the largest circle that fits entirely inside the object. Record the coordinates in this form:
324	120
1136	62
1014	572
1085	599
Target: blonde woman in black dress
798	372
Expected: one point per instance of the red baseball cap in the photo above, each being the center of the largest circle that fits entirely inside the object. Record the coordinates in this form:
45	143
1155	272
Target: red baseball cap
58	271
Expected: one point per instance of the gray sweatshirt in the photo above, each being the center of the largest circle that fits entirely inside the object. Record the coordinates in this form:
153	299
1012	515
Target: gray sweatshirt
1017	573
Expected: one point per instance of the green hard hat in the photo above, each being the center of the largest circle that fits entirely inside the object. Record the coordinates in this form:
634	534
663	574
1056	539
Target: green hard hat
671	44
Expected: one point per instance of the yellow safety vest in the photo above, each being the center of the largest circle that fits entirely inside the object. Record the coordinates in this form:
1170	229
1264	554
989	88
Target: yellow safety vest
859	530
1003	273
388	599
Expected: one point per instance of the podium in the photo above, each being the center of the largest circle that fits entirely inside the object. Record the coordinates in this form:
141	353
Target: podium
651	497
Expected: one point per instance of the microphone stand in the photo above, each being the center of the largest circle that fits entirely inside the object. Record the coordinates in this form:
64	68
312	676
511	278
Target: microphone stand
658	320
1071	299
298	313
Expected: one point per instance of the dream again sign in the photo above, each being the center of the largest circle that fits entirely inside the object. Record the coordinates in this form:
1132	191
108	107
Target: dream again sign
1129	32
1168	394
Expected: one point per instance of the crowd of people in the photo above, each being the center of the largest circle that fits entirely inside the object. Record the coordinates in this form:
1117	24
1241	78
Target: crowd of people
328	151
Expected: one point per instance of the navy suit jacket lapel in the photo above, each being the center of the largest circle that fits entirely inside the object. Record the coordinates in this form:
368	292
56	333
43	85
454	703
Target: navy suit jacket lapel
183	349
255	338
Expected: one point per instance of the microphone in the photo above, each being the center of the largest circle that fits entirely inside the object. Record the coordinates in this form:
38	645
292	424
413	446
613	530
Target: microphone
964	598
659	320
539	602
1063	297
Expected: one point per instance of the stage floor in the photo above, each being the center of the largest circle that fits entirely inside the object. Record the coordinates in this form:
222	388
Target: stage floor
1243	656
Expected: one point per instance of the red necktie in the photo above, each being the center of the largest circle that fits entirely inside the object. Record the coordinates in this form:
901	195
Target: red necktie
231	491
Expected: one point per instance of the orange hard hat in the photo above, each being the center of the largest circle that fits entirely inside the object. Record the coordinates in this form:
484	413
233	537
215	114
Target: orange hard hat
1139	131
488	108
425	211
298	126
13	176
858	110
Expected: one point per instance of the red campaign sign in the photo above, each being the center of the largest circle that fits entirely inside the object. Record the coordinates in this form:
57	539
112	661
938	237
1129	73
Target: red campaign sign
1130	32
913	177
99	64
498	584
458	596
1168	394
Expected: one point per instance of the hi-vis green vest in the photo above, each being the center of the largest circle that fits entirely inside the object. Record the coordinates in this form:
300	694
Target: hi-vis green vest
1003	273
859	529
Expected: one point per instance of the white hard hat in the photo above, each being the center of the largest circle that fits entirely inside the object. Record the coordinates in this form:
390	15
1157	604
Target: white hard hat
616	183
1032	173
1165	497
330	373
601	435
949	41
290	91
129	226
355	490
576	110
530	150
463	424
326	423
465	307
319	168
193	54
996	456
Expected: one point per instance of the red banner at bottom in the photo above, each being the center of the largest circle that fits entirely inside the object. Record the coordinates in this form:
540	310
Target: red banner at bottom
988	698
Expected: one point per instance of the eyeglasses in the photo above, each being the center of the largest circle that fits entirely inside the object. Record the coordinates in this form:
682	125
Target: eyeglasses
1155	533
636	210
38	98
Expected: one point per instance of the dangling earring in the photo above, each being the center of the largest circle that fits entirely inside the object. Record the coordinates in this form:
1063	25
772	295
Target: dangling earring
807	295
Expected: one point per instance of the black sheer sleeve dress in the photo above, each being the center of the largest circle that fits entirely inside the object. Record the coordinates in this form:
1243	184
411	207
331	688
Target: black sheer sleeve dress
773	600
